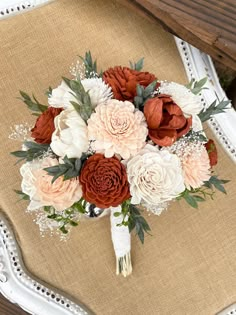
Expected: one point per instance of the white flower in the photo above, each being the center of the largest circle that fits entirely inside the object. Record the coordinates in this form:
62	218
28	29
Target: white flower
61	96
70	136
98	90
154	176
183	97
28	183
196	123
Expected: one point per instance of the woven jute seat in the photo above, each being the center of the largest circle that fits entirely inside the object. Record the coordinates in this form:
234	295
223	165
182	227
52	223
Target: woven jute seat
188	264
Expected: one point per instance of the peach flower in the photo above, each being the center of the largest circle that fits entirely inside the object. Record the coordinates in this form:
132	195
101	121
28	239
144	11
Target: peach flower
196	167
60	194
117	128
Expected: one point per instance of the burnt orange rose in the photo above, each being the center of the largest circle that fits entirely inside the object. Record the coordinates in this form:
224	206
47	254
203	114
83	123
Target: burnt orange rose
165	120
44	126
212	152
123	81
104	181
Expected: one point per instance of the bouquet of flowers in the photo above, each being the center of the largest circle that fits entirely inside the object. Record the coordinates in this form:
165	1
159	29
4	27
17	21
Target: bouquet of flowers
119	142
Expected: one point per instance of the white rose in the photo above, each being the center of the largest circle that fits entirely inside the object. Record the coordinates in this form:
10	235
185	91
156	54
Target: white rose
98	90
28	183
183	97
61	96
154	176
70	136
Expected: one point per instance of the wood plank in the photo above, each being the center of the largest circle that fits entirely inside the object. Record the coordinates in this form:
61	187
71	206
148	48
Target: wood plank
209	25
7	308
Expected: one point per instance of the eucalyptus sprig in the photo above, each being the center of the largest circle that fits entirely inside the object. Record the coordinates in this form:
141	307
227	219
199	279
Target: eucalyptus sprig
137	65
32	103
90	66
213	109
34	150
143	94
69	169
131	217
84	105
194	196
197	86
22	195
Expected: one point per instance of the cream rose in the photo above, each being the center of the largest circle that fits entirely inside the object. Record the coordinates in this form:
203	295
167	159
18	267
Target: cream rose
70	136
154	176
61	96
38	185
117	128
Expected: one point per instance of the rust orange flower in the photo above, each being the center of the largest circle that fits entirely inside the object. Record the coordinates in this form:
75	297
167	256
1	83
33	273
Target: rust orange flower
104	181
165	119
123	81
44	126
212	152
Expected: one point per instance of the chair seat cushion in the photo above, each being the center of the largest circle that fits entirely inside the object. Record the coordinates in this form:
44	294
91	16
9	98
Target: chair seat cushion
188	264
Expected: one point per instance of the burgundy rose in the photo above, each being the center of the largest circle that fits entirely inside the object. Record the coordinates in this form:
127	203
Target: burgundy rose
212	152
104	181
44	126
123	82
165	119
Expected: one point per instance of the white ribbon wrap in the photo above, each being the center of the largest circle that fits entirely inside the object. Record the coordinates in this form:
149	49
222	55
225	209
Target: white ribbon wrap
121	243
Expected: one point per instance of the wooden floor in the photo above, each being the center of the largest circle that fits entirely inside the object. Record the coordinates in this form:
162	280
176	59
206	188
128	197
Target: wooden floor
7	308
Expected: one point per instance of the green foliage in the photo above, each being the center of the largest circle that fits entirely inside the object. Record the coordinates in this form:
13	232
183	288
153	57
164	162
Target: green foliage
137	65
131	217
22	195
195	136
215	182
197	86
35	150
90	66
69	169
213	109
65	218
194	196
32	104
48	93
84	106
143	94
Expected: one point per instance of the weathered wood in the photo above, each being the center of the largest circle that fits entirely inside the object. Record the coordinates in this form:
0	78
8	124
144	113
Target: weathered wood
209	25
6	308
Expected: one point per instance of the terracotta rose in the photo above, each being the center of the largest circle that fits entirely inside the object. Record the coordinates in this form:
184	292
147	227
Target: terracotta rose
212	152
104	181
123	81
44	126
165	119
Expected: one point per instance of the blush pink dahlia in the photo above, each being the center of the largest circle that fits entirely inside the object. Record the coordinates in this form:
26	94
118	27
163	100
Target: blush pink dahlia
196	167
37	183
117	128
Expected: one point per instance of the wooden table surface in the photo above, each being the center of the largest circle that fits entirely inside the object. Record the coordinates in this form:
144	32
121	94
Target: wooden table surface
209	25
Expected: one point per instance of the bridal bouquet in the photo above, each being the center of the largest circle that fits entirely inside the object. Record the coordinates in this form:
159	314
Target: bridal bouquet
118	141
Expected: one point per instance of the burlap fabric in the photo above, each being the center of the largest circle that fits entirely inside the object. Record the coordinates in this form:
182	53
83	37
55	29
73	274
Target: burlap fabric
188	265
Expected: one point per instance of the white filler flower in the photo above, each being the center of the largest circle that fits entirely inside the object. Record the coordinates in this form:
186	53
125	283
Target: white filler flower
187	101
155	176
98	90
70	136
